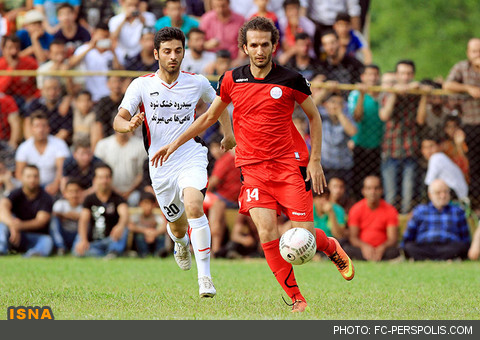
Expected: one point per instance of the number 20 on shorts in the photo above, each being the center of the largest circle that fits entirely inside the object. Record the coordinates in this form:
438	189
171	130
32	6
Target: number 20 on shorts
252	194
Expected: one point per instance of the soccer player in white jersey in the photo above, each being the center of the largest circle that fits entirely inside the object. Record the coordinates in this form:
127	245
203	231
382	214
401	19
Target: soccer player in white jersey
166	101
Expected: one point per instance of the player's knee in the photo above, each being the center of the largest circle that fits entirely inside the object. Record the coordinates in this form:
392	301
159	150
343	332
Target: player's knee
267	232
194	209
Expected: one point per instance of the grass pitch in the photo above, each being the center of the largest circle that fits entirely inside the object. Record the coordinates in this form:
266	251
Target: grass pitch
128	288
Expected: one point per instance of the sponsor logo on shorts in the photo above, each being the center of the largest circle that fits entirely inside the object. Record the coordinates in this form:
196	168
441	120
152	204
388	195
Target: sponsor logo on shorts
276	92
298	213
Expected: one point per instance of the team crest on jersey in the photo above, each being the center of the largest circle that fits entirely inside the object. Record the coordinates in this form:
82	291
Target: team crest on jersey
276	92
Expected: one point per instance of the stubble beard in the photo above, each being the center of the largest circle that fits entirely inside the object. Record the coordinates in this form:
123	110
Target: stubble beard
263	65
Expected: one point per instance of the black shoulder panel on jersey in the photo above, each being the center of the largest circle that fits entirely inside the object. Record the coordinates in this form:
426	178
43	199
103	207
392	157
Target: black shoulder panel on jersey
146	143
279	75
219	84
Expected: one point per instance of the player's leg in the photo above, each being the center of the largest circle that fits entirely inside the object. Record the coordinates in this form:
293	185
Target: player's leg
168	197
295	197
201	239
266	223
192	180
177	230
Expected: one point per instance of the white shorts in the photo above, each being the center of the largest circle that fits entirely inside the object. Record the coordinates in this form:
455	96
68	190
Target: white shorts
169	189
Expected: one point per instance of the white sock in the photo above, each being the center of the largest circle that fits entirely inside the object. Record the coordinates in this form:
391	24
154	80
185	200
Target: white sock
183	241
201	239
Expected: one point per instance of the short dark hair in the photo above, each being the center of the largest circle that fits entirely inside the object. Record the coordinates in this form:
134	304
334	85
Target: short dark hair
38	114
13	38
257	24
81	143
372	66
84	92
65	5
452	118
405	62
167	1
301	36
147	196
102	165
331	95
430	136
102	26
168	34
328	32
342	16
30	166
291	2
194	30
57	41
224	54
74	181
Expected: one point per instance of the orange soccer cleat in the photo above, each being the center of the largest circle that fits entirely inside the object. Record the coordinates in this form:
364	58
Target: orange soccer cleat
299	306
342	261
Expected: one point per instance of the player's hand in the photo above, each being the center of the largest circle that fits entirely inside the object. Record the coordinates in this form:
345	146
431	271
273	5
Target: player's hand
82	247
315	173
136	121
228	142
162	155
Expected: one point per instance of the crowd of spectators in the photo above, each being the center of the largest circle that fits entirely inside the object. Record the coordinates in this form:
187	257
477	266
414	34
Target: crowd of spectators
65	172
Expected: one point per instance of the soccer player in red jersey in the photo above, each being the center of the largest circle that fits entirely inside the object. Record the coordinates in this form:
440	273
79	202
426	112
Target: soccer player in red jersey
277	172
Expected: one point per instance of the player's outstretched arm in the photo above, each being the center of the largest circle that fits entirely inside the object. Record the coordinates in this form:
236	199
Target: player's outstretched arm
314	168
228	142
201	124
124	122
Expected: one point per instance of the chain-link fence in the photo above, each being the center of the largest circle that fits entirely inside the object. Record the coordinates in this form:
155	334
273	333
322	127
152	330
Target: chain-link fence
361	134
407	135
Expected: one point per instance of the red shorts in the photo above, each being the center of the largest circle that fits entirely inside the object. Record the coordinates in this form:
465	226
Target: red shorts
277	186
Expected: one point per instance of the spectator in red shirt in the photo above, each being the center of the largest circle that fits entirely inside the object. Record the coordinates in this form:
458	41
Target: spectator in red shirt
225	184
373	225
10	125
22	89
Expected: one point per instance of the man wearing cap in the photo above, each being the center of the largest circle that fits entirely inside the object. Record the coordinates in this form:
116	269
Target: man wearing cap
34	41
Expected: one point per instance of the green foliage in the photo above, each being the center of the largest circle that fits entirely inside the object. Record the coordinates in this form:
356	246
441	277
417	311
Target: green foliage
157	289
433	33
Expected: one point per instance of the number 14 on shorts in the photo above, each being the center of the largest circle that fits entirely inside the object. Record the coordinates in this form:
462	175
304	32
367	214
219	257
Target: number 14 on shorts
252	194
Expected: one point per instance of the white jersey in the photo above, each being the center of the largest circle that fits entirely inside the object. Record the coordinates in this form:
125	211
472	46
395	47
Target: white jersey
169	111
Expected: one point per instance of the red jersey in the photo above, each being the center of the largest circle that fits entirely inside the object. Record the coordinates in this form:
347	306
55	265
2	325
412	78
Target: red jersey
262	114
7	107
22	86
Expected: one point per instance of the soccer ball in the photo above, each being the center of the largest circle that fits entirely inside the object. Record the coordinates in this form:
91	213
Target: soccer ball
297	246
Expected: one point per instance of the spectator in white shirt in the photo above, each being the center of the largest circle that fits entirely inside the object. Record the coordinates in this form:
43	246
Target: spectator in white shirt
440	166
126	28
97	55
196	58
125	154
45	151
